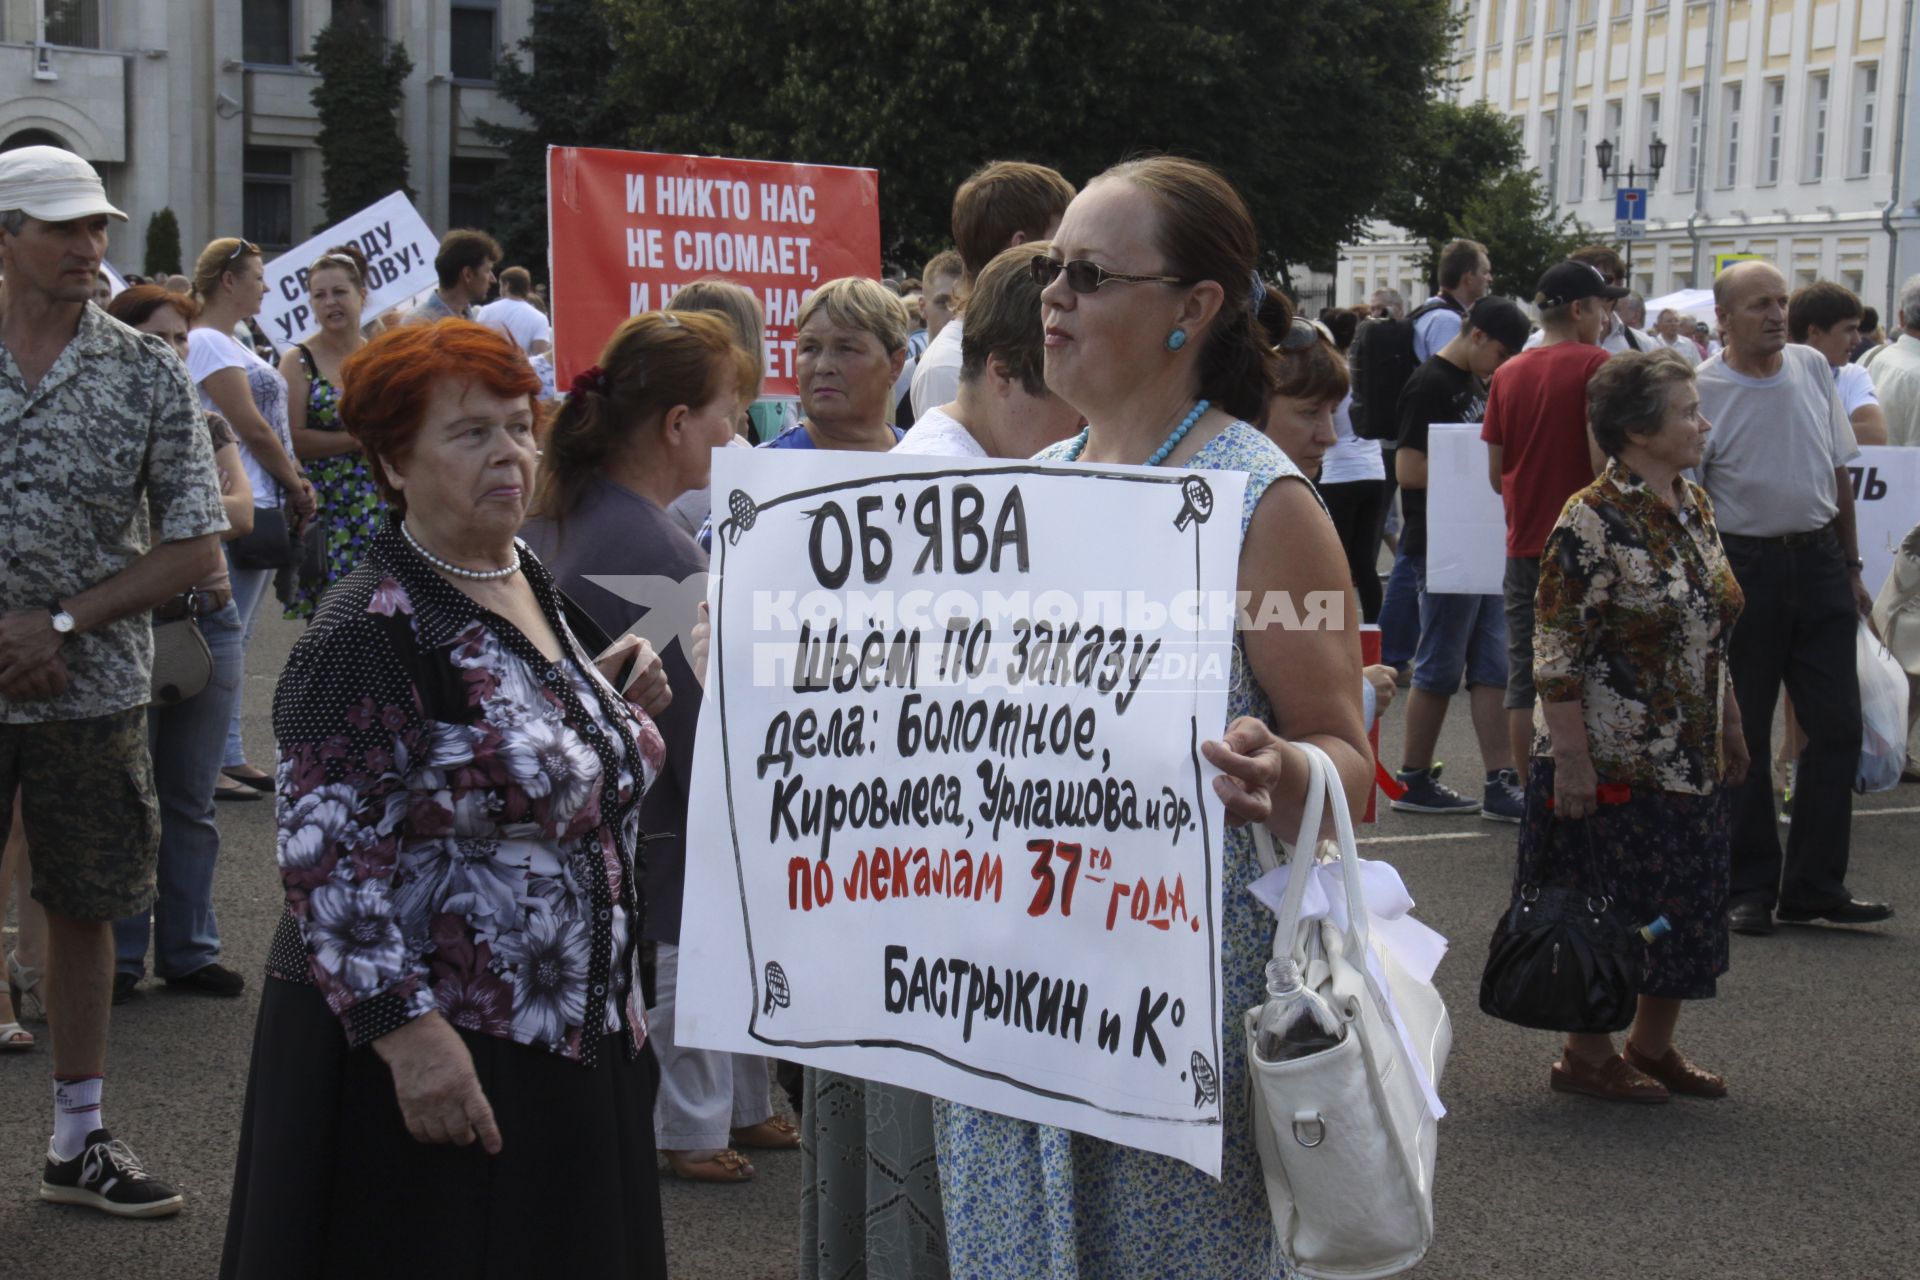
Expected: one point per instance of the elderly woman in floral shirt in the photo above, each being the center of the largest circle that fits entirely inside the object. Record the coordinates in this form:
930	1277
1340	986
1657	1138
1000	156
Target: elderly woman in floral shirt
1638	733
450	1072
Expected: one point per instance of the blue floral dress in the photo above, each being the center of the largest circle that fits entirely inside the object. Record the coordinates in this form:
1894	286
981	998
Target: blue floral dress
347	503
1026	1201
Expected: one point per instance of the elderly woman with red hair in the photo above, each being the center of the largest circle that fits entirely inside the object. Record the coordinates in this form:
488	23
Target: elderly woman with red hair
450	1071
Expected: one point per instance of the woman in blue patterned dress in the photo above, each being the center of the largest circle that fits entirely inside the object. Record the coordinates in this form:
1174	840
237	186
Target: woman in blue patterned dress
350	509
1149	333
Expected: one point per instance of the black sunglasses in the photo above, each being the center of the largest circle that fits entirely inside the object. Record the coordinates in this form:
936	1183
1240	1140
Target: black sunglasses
1300	335
1086	277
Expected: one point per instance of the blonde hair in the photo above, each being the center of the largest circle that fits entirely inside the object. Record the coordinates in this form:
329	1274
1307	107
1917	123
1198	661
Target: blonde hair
739	308
653	362
216	260
855	302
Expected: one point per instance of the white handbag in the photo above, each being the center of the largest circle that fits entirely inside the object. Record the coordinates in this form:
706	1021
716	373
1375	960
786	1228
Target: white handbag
1346	1136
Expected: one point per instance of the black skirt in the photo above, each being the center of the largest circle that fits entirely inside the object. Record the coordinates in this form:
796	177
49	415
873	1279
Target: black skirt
329	1183
1659	853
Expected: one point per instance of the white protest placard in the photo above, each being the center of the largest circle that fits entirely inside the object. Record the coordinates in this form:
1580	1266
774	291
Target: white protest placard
1886	506
950	827
1466	525
399	250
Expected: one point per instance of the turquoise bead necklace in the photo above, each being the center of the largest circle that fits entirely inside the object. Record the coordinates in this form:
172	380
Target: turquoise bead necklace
1159	455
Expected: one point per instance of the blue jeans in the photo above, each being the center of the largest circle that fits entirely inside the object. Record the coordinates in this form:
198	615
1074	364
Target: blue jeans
250	586
1459	635
186	741
1400	611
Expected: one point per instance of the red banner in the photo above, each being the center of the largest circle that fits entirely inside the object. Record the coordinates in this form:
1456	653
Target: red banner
628	228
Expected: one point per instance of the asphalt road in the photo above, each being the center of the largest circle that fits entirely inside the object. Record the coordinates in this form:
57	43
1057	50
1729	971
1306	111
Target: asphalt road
1810	1169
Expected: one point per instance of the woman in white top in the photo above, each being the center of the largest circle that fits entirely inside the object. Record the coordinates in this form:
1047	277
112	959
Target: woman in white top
252	396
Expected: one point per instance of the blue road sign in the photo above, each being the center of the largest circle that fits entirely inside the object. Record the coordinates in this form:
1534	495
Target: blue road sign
1630	212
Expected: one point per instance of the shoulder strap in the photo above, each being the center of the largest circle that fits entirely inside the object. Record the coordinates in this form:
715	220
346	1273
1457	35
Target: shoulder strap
1631	340
306	358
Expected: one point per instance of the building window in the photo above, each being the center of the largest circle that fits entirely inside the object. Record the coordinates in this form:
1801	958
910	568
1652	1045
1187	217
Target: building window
1623	8
1649	125
266	32
1587	8
1557	16
1852	278
1730	138
369	15
1690	149
475	37
267	197
78	24
1819	89
1523	19
1577	184
1550	148
1776	128
1866	106
1493	24
468	202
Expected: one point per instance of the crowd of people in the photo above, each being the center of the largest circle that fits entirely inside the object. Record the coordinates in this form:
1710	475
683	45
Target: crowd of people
473	981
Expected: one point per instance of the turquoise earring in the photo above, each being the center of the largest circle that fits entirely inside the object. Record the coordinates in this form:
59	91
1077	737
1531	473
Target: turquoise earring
1177	339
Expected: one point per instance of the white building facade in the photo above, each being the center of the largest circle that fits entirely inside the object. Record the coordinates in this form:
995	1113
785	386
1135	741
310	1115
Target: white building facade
1790	132
201	106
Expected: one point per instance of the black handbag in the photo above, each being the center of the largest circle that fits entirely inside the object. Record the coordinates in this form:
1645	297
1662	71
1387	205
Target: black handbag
1563	959
270	544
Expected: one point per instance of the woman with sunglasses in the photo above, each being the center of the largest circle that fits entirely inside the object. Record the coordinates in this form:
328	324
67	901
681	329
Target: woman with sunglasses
1150	332
349	505
229	283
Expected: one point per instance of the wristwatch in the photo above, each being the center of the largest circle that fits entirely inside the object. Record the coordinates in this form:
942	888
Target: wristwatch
1857	564
62	620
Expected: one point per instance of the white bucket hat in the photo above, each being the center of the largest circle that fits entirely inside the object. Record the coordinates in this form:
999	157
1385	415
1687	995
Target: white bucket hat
53	185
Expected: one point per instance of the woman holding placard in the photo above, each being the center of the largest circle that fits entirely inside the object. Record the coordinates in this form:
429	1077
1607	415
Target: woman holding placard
1150	333
638	430
348	503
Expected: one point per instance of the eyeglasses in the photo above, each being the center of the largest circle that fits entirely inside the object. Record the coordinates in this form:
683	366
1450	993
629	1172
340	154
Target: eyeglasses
241	250
1087	277
1300	335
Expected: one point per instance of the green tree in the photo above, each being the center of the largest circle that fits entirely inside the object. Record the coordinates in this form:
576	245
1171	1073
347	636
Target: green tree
561	88
1304	105
163	245
1458	153
1523	231
362	156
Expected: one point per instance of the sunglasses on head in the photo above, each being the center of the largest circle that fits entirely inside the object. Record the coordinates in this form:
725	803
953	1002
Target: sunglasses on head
1087	277
241	250
1300	335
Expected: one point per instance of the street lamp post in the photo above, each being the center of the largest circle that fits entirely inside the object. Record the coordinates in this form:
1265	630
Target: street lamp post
1603	151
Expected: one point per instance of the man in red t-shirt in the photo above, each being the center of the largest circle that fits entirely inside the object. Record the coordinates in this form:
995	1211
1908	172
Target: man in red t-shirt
1539	454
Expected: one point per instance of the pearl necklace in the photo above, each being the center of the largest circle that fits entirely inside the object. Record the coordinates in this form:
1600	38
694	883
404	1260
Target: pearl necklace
454	570
1158	456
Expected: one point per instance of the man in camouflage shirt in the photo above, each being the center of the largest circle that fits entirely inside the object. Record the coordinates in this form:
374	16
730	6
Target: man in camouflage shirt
99	431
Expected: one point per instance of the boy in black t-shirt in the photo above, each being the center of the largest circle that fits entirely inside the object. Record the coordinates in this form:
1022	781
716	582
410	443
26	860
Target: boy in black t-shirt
1459	634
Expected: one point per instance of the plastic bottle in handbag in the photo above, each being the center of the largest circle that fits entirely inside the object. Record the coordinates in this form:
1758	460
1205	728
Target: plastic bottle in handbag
1294	1022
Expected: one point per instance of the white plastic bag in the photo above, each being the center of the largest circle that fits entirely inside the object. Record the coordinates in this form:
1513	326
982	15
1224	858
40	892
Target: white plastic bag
1883	715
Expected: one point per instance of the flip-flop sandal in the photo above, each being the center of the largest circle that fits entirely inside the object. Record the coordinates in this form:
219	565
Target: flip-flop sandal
721	1166
262	782
230	788
773	1134
15	1038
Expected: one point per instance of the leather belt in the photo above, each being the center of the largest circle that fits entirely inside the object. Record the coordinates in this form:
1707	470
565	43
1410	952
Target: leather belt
191	604
1811	538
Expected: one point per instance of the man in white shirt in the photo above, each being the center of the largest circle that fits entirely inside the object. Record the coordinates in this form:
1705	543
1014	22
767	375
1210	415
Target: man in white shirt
515	316
1666	333
1895	370
1007	203
1826	317
1775	466
1466	276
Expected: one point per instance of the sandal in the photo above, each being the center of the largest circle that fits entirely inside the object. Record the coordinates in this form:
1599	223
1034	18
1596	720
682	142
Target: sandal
250	776
227	787
1612	1080
776	1133
23	987
721	1166
15	1038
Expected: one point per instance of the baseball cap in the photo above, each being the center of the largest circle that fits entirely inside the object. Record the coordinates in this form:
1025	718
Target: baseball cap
1567	282
1502	320
53	185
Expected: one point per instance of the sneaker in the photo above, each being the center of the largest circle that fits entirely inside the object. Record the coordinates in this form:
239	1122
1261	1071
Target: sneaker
210	980
125	987
1786	807
1427	794
107	1176
1502	799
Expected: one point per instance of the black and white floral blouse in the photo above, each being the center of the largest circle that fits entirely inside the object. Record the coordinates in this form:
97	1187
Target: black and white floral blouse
458	817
